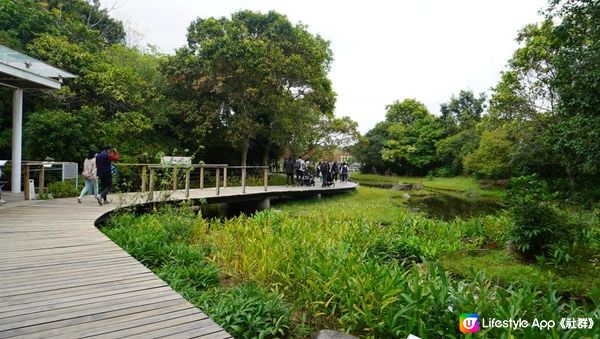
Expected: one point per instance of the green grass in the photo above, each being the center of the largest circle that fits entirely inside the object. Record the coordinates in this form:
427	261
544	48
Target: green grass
466	186
580	280
369	204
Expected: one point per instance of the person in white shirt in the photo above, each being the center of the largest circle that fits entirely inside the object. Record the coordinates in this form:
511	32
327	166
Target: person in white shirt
91	178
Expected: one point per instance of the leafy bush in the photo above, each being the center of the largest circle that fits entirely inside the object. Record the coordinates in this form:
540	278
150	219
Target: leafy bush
164	250
539	228
404	249
247	311
62	189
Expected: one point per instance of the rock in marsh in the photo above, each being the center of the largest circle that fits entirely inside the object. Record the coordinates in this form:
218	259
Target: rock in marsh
329	334
403	187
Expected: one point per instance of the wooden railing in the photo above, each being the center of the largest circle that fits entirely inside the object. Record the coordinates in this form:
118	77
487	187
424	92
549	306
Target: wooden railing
42	165
149	174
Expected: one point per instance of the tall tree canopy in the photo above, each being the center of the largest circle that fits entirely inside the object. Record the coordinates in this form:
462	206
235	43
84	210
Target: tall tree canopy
413	133
256	74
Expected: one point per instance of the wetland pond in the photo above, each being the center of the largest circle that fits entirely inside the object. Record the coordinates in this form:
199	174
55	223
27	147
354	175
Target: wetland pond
444	206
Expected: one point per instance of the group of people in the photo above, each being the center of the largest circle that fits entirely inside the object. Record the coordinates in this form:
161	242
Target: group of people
328	173
99	166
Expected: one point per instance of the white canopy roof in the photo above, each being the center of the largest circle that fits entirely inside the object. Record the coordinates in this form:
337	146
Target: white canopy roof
18	70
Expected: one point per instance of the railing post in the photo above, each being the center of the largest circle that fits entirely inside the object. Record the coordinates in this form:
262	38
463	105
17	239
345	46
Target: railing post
224	177
151	184
217	177
144	175
175	178
266	176
243	179
187	183
41	183
26	184
201	177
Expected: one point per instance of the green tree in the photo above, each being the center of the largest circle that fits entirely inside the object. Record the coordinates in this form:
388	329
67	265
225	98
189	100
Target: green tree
459	117
451	151
62	135
523	104
413	133
577	73
462	112
369	147
82	22
492	158
254	70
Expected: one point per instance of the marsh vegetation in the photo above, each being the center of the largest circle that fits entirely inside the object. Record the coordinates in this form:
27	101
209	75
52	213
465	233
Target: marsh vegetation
362	263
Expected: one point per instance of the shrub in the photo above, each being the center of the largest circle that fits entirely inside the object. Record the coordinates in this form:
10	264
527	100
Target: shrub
247	311
539	228
407	248
62	189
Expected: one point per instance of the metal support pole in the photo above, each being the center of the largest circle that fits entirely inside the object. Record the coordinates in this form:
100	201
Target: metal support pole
243	179
266	177
151	184
26	182
187	183
41	182
202	177
17	141
144	175
217	177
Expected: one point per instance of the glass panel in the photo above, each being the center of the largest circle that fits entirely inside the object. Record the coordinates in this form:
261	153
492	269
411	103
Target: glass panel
25	62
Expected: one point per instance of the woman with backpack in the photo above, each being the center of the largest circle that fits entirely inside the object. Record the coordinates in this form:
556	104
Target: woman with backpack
90	175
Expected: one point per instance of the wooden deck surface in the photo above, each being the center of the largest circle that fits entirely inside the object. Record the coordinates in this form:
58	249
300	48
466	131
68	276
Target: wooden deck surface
61	277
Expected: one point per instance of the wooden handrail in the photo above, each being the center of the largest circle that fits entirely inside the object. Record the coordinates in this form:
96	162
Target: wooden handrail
188	169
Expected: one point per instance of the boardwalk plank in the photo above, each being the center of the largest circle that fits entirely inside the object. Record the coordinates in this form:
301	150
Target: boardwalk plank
60	276
111	316
66	304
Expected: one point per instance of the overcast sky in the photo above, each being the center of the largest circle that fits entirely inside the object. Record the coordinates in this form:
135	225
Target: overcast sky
383	50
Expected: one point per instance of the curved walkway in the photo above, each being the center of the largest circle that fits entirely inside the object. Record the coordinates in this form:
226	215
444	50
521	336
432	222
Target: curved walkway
61	277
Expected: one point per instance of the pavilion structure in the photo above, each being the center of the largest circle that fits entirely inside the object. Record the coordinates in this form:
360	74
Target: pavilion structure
18	72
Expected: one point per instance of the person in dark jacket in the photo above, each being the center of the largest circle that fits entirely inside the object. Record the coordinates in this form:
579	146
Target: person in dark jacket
325	172
344	172
335	170
103	168
288	165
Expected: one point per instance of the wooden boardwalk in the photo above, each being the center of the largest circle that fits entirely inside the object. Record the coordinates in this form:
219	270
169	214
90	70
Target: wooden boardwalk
61	277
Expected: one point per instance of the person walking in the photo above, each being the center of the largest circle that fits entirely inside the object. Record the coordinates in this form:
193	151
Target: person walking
318	174
300	166
344	172
288	165
325	172
335	170
90	175
104	169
